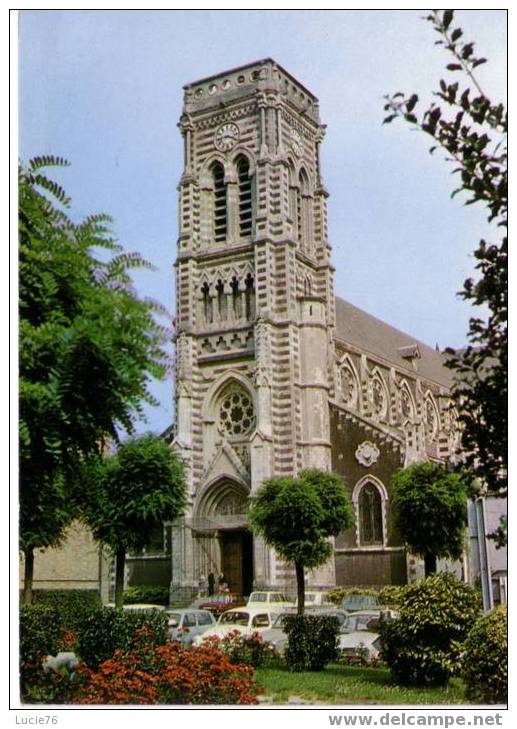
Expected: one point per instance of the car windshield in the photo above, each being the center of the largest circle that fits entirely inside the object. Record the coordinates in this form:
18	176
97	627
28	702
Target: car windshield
280	621
258	597
357	622
237	618
174	619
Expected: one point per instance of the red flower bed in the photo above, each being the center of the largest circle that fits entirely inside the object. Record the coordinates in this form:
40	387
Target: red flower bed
167	674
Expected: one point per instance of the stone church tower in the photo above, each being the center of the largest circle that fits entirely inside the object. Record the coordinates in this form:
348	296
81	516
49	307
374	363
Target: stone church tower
273	372
255	311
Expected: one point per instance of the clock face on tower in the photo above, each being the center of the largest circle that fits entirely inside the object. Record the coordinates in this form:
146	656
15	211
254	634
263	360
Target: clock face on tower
226	137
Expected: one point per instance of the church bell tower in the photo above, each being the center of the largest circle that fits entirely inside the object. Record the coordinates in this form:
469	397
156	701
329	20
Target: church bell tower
254	316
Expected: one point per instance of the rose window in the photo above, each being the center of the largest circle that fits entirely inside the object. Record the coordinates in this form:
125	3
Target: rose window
237	416
378	397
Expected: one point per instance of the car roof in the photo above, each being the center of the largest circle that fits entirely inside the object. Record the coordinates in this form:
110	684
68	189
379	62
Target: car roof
169	611
138	606
251	609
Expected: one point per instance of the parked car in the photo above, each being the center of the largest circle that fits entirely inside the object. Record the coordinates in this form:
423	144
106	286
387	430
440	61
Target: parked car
359	633
316	597
246	620
140	608
268	598
218	604
277	635
360	601
185	625
360	643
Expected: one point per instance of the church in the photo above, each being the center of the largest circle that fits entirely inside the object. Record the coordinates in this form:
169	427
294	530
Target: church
274	373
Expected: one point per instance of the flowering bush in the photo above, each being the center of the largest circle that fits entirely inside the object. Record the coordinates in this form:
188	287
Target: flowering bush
167	674
217	607
240	648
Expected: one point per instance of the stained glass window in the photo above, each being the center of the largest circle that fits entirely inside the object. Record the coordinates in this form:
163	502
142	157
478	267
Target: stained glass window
370	515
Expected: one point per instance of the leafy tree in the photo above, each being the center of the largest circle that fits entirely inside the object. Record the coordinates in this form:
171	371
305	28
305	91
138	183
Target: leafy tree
131	493
430	505
296	516
471	130
88	348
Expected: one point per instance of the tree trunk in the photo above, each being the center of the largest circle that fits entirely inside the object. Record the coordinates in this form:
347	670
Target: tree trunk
430	564
119	577
28	576
300	582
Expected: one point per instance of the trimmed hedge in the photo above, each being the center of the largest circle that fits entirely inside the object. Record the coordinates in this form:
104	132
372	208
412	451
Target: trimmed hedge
153	594
485	660
106	629
423	647
312	641
40	635
67	600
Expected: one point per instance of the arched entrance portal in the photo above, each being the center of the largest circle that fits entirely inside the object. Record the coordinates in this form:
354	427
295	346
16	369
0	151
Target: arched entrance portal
222	532
237	560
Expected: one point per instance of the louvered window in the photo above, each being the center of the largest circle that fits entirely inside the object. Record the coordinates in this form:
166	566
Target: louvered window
220	216
245	197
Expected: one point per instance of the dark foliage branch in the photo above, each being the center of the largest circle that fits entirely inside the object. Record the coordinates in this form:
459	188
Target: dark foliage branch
471	131
89	347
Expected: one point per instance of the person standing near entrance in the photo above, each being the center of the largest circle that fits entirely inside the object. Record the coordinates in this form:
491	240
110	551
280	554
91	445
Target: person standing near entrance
211	584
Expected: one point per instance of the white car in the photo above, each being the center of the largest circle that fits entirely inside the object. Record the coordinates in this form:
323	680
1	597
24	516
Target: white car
316	599
245	620
265	598
359	636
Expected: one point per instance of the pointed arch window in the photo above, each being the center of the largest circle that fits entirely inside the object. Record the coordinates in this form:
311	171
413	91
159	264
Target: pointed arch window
370	497
407	407
303	205
370	515
245	197
219	203
432	422
379	397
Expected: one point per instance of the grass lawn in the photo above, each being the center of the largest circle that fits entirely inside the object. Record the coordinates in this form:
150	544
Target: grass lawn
351	685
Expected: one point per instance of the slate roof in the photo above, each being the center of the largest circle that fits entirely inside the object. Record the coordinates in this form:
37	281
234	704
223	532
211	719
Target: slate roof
373	336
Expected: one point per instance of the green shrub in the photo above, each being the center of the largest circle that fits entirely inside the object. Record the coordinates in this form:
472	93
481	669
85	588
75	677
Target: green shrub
485	659
153	594
105	630
423	647
67	600
40	635
312	641
391	595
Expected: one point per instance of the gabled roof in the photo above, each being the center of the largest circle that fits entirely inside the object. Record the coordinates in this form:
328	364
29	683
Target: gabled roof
373	336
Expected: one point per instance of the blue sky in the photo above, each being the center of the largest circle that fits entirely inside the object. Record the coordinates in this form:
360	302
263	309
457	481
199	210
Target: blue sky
104	90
